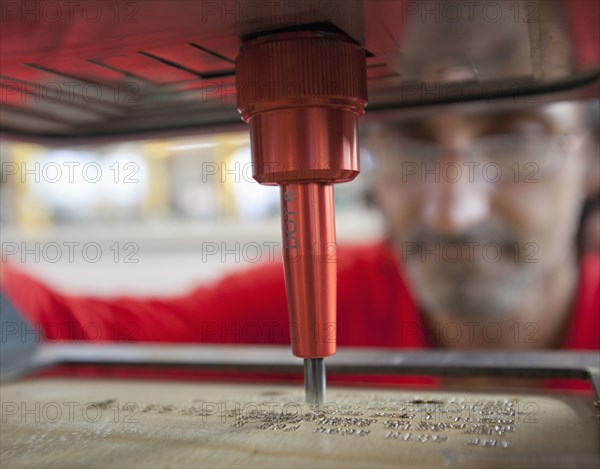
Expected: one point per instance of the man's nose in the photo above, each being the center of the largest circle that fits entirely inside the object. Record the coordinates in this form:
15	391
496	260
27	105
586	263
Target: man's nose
459	198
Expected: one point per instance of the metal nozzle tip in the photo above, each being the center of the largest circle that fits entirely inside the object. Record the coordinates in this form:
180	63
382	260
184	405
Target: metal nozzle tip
314	380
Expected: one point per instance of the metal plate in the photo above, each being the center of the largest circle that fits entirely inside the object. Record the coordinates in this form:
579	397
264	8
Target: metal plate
111	423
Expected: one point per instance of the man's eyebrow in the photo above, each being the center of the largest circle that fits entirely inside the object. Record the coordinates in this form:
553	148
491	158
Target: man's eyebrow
421	127
414	127
508	117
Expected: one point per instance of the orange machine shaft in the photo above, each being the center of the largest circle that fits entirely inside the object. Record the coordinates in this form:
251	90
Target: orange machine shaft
302	94
310	257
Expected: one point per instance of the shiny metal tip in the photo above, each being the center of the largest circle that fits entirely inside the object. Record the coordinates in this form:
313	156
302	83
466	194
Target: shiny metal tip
314	380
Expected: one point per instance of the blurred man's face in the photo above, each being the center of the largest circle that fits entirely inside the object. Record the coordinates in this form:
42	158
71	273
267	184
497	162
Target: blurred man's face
482	206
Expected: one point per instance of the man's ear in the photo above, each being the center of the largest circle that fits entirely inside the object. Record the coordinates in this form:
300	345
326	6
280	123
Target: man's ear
592	148
592	179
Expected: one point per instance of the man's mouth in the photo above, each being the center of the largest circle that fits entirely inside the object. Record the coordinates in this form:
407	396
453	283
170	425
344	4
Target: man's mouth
463	251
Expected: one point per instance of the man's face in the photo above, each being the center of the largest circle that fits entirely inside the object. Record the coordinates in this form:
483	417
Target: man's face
482	205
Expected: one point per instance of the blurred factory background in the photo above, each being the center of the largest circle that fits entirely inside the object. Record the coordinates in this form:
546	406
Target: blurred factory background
150	217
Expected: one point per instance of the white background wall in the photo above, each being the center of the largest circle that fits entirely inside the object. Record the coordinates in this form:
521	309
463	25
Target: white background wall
172	257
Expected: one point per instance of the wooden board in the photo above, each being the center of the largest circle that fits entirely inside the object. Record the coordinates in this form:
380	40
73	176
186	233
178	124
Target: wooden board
111	423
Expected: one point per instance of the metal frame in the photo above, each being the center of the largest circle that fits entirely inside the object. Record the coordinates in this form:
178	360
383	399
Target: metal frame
278	359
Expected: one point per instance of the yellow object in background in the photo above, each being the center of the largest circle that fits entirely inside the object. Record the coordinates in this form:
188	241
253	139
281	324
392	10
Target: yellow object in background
20	172
157	153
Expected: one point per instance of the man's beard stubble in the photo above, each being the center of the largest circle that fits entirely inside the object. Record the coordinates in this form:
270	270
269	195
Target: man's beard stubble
484	273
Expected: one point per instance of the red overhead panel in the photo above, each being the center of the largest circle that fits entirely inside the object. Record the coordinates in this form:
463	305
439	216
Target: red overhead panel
108	68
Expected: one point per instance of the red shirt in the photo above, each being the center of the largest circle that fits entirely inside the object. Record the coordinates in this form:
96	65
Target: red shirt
374	308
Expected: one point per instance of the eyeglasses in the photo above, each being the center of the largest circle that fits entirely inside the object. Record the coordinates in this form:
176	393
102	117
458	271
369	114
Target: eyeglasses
506	158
